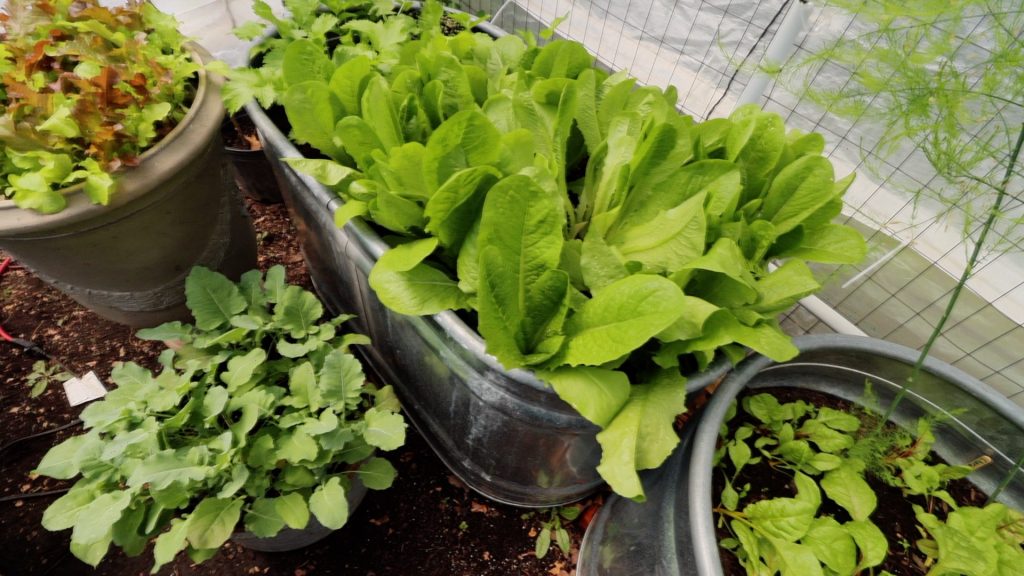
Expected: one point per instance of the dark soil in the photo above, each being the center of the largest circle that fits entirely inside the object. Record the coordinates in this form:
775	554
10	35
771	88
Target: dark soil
427	524
894	513
239	133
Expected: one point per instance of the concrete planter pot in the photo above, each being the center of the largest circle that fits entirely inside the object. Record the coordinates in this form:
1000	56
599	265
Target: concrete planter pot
127	261
503	432
673	533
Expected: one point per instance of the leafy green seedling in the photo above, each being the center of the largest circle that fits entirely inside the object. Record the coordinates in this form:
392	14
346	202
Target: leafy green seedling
43	374
553	530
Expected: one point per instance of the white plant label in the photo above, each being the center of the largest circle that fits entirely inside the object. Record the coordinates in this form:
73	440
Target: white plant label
84	389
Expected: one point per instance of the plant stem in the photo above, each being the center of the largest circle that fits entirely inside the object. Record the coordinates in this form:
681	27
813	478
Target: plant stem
993	212
1006	481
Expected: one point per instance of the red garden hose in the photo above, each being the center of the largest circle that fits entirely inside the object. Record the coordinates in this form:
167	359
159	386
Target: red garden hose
26	344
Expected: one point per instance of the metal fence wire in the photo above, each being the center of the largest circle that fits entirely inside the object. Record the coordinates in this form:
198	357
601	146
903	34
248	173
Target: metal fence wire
710	50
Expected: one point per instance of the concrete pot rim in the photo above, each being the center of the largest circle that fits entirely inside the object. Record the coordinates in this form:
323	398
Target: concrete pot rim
203	117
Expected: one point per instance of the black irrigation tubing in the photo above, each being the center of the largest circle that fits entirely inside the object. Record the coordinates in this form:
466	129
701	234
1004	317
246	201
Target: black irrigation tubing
743	62
16	497
34	348
46	432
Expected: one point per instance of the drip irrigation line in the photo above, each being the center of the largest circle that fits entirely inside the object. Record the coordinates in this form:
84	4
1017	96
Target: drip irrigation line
743	62
32	348
14	497
28	345
46	432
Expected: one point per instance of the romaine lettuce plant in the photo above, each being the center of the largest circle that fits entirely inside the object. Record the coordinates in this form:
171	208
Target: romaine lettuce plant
603	240
260	419
86	89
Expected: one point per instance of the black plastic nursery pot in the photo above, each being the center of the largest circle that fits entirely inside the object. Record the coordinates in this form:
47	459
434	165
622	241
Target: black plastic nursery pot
127	261
504	433
250	167
674	533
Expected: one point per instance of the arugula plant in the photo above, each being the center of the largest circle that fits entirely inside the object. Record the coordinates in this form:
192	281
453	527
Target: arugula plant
260	419
86	89
830	455
603	239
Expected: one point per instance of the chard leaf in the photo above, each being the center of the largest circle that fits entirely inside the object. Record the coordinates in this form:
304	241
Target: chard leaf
798	191
620	318
847	487
832	243
407	285
377	474
212	298
870	541
465	140
329	505
598	394
641	435
792	559
787	519
456	205
212	522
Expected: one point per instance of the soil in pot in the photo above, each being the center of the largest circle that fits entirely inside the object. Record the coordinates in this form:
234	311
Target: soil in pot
762	480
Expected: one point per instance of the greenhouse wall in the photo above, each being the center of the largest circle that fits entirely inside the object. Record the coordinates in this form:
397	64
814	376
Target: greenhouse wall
710	51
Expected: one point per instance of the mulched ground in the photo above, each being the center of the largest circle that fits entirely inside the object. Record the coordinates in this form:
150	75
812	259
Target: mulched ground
427	524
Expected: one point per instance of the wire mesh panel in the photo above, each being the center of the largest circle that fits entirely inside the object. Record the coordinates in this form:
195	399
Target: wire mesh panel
710	51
